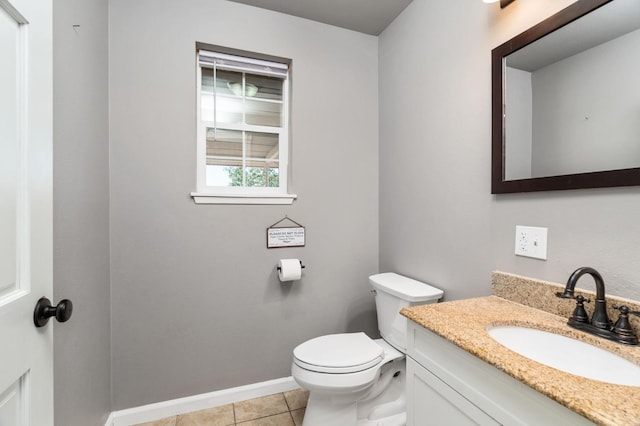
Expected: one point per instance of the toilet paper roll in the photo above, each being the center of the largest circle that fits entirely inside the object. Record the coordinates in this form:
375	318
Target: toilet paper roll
289	269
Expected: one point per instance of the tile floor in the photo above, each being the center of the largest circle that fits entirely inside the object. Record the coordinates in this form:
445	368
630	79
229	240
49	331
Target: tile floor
280	409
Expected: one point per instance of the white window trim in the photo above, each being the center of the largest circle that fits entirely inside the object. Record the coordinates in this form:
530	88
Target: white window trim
200	198
241	195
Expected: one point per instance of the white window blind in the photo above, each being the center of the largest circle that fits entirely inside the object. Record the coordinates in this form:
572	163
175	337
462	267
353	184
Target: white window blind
257	66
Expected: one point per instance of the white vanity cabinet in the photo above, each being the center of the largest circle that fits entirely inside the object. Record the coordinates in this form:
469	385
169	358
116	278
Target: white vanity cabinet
448	386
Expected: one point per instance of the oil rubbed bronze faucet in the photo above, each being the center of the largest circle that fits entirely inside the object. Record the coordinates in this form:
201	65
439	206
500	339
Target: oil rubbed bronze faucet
600	324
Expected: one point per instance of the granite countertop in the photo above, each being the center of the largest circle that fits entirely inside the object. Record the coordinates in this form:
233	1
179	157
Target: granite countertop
465	322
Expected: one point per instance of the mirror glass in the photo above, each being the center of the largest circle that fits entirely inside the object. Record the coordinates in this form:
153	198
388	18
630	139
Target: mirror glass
567	101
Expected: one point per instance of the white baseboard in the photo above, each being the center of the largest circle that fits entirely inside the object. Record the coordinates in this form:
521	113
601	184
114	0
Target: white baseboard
159	410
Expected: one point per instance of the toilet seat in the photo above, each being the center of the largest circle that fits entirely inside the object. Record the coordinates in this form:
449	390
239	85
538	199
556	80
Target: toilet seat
339	353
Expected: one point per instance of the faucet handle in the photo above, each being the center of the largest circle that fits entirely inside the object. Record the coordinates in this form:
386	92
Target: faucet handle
623	328
579	314
582	299
625	310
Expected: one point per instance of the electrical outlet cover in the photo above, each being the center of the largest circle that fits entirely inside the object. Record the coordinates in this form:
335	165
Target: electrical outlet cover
531	241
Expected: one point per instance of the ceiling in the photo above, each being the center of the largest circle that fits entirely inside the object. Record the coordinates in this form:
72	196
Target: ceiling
365	16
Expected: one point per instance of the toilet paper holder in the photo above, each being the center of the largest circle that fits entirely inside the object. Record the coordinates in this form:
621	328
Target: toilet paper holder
301	266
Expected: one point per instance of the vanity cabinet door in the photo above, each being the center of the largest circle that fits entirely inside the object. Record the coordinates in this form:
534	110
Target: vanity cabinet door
431	402
456	379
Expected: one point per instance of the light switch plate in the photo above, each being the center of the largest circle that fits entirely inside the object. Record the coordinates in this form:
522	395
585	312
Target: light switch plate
531	242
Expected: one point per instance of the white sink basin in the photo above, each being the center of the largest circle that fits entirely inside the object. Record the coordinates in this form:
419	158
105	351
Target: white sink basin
567	354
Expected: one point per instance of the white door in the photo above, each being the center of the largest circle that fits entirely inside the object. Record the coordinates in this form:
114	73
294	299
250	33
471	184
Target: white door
26	352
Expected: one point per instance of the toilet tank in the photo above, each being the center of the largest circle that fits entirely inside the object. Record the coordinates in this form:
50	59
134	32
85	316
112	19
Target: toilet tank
394	292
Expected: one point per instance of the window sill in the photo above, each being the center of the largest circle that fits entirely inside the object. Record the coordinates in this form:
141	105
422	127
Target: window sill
203	198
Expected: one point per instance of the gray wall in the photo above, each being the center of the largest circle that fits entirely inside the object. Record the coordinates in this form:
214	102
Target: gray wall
82	348
196	304
438	220
434	160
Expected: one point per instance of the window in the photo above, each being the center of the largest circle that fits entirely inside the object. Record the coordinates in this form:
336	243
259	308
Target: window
243	127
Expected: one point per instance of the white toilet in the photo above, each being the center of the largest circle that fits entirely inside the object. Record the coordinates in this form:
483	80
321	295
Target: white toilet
353	379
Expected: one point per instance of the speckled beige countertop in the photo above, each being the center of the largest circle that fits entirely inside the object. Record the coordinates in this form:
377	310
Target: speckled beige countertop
465	322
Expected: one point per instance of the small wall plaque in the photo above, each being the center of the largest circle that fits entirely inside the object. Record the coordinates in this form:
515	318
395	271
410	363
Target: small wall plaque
281	236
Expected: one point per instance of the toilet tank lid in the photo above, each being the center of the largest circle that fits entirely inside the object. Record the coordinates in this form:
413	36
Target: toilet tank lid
405	288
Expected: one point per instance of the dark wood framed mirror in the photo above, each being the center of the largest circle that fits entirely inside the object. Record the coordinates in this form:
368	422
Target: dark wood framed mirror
547	134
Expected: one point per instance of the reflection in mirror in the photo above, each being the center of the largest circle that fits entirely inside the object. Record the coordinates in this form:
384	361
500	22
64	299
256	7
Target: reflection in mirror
567	101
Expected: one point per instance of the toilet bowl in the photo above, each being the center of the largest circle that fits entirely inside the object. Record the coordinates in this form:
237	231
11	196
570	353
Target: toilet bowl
353	379
341	363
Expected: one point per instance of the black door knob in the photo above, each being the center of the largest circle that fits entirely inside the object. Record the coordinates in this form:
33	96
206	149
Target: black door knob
43	311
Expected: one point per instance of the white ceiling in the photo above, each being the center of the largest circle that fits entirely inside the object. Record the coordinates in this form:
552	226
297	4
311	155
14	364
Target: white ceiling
365	16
